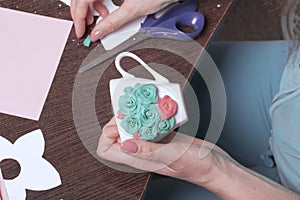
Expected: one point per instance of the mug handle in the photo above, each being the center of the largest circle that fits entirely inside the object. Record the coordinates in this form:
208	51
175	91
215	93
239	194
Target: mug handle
157	76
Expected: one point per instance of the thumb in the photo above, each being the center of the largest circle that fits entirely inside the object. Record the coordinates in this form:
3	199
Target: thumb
112	22
164	153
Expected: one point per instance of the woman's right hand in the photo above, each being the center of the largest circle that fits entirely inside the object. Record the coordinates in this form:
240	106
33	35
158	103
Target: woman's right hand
129	10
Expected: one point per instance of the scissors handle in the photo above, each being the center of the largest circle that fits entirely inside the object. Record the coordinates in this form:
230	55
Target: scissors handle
181	15
171	28
186	6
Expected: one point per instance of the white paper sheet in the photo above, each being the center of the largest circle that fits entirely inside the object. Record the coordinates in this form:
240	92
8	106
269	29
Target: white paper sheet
36	172
30	51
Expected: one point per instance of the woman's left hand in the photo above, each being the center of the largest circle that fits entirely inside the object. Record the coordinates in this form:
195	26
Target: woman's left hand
181	158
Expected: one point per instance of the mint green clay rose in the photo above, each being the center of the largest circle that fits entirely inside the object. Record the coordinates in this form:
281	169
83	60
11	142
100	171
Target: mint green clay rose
165	125
148	132
131	124
148	114
128	90
146	94
137	85
128	104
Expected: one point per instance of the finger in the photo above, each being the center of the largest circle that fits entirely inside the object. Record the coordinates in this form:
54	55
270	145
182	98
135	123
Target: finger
112	152
80	13
112	22
111	122
110	130
108	138
89	17
115	155
100	8
72	8
109	148
164	153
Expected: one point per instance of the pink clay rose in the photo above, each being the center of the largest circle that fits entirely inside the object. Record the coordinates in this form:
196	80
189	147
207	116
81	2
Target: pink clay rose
167	107
120	116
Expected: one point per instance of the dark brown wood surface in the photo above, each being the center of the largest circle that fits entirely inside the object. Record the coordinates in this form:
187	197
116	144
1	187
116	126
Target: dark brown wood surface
71	138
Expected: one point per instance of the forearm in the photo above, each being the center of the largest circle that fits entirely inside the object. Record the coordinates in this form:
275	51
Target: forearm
237	182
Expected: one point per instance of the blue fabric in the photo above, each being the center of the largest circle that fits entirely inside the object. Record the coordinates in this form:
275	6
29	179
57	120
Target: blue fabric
285	113
166	188
251	72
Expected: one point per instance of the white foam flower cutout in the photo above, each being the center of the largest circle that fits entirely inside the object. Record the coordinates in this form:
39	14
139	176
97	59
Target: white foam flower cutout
36	172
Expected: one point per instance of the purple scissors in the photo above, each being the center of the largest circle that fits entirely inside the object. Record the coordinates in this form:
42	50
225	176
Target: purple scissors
166	26
181	15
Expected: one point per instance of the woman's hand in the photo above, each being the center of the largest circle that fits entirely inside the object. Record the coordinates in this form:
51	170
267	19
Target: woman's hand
185	157
129	10
192	160
82	15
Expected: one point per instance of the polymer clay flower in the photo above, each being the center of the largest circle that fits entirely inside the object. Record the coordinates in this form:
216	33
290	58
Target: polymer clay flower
148	114
131	124
36	172
128	104
146	94
128	90
164	125
148	132
167	107
143	114
120	115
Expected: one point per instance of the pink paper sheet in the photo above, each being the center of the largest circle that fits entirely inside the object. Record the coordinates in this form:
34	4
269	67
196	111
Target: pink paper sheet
30	50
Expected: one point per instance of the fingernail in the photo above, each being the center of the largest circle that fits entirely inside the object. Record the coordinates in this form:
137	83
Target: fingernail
129	147
96	35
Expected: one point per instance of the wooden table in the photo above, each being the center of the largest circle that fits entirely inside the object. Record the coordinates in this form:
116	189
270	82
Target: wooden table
70	141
